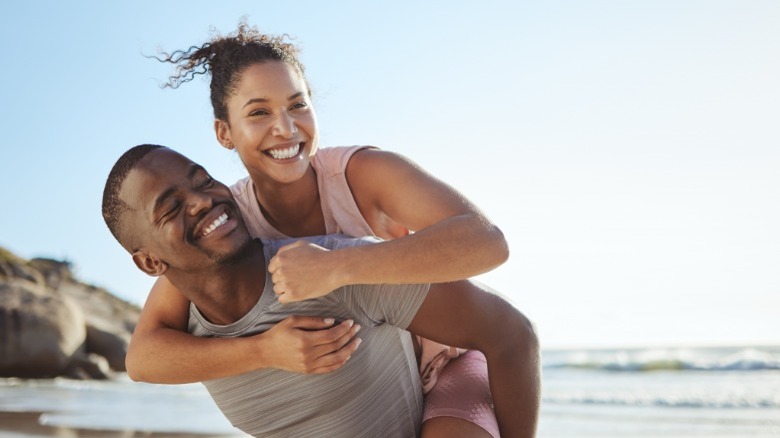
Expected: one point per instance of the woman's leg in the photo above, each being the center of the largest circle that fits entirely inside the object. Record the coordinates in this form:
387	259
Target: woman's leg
452	427
459	405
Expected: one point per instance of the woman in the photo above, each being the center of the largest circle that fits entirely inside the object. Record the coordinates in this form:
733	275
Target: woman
263	110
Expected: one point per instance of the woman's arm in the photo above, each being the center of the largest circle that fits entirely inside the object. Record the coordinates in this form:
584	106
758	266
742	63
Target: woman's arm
453	240
161	351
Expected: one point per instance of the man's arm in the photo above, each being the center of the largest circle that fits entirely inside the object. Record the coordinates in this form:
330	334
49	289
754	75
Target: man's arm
466	315
161	350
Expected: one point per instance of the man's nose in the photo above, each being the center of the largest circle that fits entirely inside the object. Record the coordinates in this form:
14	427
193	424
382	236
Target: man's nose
198	202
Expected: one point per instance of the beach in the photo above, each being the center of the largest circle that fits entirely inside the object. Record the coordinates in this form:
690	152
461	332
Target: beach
649	392
117	408
27	424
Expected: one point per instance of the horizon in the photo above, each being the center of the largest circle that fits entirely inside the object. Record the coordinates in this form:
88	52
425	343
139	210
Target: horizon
629	152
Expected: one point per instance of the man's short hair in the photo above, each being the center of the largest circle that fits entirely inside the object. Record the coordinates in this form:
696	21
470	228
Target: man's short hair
113	207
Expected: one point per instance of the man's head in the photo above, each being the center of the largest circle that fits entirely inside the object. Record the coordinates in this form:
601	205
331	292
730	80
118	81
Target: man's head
170	214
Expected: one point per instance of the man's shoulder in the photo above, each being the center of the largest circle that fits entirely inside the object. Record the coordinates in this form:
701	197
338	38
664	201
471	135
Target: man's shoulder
329	241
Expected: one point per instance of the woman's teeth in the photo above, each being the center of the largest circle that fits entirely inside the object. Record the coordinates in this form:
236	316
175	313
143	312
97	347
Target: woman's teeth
214	225
283	154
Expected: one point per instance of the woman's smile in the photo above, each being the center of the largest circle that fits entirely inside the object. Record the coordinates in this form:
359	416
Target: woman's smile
285	152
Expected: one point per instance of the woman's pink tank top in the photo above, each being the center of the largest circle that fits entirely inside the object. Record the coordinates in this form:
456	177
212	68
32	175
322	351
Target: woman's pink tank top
341	216
338	205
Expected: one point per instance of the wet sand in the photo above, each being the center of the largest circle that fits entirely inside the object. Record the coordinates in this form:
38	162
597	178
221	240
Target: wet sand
27	424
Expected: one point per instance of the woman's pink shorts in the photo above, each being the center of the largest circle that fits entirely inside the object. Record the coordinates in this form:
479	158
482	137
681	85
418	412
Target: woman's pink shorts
462	390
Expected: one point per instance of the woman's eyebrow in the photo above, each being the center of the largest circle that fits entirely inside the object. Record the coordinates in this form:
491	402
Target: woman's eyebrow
265	100
255	100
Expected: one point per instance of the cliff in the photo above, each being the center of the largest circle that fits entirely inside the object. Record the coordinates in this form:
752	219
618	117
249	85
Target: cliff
52	325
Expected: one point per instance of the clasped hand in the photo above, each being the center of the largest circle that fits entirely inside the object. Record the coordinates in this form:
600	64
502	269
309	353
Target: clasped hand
302	271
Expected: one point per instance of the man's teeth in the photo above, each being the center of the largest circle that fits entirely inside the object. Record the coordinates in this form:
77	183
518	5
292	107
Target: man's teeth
282	154
214	225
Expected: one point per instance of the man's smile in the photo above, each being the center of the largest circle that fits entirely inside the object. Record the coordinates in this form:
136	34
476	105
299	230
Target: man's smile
219	221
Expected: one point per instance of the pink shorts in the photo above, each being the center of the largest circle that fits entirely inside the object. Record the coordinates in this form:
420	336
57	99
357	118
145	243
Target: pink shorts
463	391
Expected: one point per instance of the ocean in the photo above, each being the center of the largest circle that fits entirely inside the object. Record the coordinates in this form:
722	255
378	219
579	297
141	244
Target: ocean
658	392
662	392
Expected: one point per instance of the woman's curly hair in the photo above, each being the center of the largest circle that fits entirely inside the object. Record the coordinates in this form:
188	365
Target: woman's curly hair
225	58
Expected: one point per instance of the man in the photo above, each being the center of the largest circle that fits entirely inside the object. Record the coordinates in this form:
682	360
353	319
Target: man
177	221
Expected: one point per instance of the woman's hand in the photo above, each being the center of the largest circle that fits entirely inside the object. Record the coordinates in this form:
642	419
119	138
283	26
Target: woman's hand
302	271
292	345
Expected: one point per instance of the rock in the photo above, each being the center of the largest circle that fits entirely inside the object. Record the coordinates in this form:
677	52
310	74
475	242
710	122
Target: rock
39	331
51	324
53	271
89	366
13	267
108	344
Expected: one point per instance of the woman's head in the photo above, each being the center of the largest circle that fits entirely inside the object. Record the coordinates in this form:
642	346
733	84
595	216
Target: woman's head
226	58
260	97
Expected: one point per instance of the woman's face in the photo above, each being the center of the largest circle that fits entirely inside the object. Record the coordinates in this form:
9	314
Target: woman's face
271	122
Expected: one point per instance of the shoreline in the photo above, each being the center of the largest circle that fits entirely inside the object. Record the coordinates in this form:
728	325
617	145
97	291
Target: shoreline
28	424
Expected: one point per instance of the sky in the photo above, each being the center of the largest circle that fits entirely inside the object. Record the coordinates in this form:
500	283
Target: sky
629	151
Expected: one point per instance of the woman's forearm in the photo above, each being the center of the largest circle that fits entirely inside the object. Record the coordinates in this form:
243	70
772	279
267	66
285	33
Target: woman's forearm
453	249
301	344
161	350
166	355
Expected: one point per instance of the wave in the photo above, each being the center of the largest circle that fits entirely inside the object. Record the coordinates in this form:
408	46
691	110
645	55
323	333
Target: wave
666	401
714	359
700	378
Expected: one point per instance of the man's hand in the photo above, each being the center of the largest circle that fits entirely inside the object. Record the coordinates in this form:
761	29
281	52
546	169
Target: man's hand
303	344
302	271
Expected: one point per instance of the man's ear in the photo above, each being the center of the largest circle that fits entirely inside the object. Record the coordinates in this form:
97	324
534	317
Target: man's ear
150	264
222	130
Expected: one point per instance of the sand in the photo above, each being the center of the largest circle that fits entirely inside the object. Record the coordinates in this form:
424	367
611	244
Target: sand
26	424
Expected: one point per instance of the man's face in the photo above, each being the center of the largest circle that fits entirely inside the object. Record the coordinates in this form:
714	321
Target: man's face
180	215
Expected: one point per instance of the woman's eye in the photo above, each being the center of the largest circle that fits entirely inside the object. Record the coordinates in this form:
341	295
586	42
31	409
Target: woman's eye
258	113
300	105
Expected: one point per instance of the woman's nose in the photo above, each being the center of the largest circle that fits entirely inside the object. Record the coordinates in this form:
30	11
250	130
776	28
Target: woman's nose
284	126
